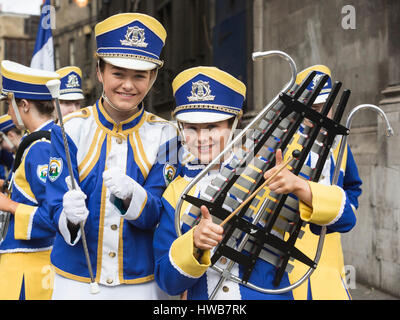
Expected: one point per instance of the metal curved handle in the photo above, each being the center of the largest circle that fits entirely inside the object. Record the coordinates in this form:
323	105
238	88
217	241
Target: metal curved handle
255	55
389	132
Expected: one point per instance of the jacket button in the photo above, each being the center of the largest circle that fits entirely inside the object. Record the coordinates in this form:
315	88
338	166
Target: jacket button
225	289
114	227
112	254
119	140
109	280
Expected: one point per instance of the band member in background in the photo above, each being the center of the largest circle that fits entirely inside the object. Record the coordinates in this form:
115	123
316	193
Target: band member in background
328	281
71	94
25	271
10	135
119	155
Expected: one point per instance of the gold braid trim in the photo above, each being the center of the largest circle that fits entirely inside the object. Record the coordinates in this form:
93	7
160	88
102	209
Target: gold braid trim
209	107
160	63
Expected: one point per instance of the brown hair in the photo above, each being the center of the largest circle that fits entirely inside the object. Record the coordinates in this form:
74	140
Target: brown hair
44	107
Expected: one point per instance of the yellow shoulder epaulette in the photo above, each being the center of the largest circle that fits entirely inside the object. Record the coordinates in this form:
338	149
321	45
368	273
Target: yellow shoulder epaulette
82	113
153	118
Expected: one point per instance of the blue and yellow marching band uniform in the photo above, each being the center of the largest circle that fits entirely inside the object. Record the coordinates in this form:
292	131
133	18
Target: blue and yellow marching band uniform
119	241
24	263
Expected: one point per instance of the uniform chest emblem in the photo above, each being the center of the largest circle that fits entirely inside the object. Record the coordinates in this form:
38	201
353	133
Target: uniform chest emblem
169	173
73	81
41	172
55	168
135	37
201	91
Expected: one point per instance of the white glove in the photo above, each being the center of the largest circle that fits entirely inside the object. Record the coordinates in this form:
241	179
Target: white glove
119	184
74	204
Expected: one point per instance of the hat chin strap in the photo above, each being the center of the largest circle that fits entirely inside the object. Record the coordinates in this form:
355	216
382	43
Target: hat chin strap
21	124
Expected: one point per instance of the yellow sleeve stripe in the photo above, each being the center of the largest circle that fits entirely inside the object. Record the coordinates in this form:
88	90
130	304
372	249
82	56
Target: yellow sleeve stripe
181	257
327	204
23	221
20	181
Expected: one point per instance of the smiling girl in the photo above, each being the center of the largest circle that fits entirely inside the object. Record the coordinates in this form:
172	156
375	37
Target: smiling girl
115	148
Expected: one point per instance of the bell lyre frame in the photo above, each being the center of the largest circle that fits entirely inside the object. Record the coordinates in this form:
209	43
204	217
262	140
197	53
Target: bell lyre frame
280	121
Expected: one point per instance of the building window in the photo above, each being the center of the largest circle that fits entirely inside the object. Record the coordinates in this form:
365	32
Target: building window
71	52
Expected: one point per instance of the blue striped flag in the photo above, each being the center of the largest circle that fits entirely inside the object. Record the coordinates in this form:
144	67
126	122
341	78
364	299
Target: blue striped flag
43	54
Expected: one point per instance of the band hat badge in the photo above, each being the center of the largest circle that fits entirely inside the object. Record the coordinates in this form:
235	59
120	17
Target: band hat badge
6	123
321	70
131	40
71	83
207	94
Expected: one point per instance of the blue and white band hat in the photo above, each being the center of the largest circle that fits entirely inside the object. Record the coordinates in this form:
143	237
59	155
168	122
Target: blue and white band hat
321	70
207	94
6	123
131	40
24	82
71	83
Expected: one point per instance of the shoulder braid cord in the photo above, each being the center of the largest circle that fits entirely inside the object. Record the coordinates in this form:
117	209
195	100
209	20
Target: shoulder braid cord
256	232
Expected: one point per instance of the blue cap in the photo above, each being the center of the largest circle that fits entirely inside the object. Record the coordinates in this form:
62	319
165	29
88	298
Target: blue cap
71	83
207	94
131	40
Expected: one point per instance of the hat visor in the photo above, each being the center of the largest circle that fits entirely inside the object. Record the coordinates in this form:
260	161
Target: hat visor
202	117
134	64
71	96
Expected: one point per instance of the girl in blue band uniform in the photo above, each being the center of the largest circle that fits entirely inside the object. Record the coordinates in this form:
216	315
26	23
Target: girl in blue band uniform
24	264
121	161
